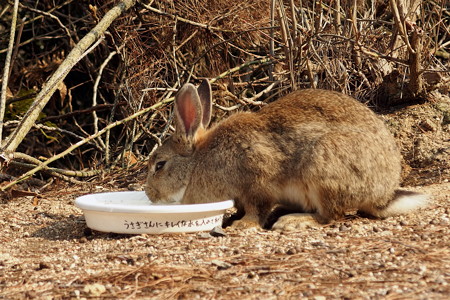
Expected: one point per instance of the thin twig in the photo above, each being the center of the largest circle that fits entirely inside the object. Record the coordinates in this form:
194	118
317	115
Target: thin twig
16	48
400	24
163	13
111	118
253	101
34	162
272	38
159	89
5	9
7	67
50	128
23	165
174	46
94	96
288	43
50	15
240	67
99	107
231	108
54	8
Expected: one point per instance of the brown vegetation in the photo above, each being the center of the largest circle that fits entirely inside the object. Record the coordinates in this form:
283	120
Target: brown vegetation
253	51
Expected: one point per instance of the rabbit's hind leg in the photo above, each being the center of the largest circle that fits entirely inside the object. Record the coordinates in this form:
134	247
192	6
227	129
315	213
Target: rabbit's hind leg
296	222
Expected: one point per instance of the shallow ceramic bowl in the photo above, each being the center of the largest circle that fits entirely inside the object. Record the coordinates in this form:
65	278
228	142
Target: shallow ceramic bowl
133	212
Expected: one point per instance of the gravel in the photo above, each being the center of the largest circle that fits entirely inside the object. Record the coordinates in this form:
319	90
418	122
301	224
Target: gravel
47	251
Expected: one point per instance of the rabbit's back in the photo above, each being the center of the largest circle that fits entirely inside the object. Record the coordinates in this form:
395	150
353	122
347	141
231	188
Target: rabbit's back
316	105
307	145
299	129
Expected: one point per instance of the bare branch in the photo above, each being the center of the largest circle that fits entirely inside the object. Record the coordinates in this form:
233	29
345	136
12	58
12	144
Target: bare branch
84	141
7	66
51	85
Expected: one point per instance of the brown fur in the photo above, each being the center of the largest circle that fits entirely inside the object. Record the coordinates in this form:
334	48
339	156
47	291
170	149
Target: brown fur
311	151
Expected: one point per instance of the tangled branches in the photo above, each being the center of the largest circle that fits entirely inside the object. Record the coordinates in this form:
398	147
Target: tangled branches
107	99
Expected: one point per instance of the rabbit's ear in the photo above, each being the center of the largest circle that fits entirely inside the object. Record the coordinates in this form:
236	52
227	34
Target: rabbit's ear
188	111
204	92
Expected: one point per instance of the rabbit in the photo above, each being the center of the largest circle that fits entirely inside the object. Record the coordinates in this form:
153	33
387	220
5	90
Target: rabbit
313	151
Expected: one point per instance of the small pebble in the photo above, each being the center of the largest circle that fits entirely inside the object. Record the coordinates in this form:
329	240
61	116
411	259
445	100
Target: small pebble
94	290
344	228
291	251
217	232
387	233
434	222
204	235
43	265
221	265
252	275
444	221
403	223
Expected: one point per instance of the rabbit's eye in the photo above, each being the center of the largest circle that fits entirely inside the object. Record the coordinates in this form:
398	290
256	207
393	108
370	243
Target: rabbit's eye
159	165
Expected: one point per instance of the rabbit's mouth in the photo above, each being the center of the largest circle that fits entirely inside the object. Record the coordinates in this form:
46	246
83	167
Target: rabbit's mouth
157	196
177	196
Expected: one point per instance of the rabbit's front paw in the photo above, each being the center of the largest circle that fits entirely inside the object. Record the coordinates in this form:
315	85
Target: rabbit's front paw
249	221
294	222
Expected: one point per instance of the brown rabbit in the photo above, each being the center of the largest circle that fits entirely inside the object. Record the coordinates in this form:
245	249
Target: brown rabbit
312	151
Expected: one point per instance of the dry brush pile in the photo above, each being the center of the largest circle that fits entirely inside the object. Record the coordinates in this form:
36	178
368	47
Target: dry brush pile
87	85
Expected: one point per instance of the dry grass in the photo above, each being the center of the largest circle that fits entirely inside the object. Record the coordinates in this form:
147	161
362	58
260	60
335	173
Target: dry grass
48	252
254	51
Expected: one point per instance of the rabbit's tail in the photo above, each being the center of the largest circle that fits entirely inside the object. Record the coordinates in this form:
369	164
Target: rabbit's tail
403	202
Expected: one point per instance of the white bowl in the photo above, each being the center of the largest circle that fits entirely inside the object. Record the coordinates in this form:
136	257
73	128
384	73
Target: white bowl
133	212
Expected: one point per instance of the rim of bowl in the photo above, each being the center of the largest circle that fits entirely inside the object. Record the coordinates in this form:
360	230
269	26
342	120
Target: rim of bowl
97	202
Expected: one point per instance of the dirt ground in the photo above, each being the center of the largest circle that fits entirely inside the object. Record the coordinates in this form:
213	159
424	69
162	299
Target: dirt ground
48	253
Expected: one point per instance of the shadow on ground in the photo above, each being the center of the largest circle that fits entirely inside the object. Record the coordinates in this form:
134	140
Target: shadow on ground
72	228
